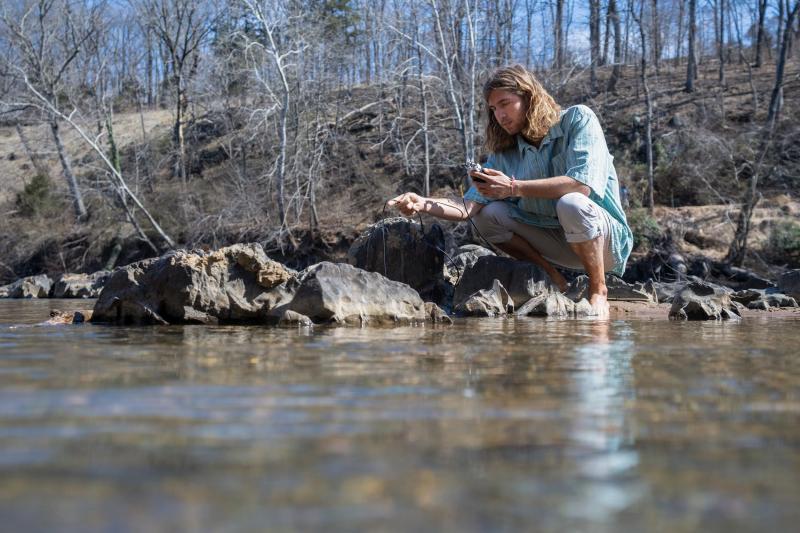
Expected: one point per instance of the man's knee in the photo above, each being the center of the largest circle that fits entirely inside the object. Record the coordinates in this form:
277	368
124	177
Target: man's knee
579	217
573	205
493	222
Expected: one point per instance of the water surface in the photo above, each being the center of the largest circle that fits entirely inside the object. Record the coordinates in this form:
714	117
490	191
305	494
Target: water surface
489	424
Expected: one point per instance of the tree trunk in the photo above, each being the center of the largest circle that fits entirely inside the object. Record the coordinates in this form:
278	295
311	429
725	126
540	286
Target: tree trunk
558	35
738	247
613	14
74	189
35	158
762	12
649	106
594	40
691	63
721	40
656	36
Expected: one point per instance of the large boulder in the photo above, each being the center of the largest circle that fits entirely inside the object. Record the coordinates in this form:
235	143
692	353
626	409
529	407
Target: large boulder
341	293
521	279
789	283
80	285
235	284
29	287
487	302
402	250
702	301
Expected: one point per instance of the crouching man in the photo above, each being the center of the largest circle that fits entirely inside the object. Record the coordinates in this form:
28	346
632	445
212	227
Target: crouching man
548	193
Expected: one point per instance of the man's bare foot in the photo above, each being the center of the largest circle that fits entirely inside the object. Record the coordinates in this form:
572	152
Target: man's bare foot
599	304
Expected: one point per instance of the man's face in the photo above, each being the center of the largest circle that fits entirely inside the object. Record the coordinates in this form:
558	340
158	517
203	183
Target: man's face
509	110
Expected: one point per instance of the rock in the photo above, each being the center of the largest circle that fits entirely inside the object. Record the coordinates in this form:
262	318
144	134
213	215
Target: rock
739	277
341	293
197	287
291	318
465	257
762	300
553	304
702	301
487	302
522	280
80	285
68	317
617	289
400	249
29	287
789	283
437	314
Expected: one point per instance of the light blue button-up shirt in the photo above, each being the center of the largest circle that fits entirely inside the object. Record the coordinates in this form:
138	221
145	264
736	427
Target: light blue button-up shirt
575	147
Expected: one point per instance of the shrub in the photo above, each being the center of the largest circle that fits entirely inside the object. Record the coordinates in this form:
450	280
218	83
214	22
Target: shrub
36	198
784	243
646	230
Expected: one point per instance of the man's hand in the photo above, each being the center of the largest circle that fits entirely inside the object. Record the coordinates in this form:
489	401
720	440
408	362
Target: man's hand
408	203
496	184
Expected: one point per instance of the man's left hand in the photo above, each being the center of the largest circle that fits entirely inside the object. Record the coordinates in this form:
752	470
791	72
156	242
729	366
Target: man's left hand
497	185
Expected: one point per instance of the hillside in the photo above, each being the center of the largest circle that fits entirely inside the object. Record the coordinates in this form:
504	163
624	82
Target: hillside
366	152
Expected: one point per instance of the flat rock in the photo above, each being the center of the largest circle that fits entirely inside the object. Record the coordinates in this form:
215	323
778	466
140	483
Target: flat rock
343	294
229	285
29	287
522	280
487	302
555	305
402	250
80	285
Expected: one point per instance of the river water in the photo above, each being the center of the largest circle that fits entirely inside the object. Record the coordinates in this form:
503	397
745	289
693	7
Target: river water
485	425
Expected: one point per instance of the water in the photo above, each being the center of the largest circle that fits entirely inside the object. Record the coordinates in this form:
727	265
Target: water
492	425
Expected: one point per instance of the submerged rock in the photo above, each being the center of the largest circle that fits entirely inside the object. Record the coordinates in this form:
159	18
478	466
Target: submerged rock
701	301
80	285
402	250
341	293
29	287
238	283
487	302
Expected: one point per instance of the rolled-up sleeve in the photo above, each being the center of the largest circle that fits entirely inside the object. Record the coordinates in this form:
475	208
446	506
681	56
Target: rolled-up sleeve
586	155
472	193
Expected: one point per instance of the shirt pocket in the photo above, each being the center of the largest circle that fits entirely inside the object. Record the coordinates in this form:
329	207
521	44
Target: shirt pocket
558	165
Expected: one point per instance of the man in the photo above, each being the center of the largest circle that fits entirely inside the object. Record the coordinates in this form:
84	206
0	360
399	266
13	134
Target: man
549	193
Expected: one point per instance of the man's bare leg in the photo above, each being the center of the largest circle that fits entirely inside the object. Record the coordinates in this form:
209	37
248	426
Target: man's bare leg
519	248
591	256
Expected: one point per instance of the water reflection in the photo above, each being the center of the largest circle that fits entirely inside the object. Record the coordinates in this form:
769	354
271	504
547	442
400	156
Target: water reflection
568	425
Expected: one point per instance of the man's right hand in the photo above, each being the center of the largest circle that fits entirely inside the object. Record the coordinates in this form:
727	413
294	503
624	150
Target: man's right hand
408	203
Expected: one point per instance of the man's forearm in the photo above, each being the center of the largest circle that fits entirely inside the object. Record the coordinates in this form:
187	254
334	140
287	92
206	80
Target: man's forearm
446	209
553	188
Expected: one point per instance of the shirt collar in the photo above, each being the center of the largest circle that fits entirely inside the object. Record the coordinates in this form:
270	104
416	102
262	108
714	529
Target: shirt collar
553	133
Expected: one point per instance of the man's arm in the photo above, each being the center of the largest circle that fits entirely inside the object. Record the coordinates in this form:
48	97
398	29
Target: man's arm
497	185
410	203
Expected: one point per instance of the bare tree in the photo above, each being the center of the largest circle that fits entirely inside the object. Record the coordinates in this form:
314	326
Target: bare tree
594	42
181	27
613	15
691	61
648	105
48	37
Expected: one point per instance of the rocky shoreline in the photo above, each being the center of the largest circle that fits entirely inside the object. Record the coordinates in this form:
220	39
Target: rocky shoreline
397	273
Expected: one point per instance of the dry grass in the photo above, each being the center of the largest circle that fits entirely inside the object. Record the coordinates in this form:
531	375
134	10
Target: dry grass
16	167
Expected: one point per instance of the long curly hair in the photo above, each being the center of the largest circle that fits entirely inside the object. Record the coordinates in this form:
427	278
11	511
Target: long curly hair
542	111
